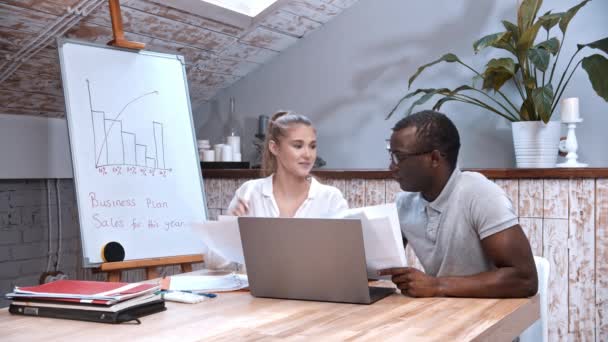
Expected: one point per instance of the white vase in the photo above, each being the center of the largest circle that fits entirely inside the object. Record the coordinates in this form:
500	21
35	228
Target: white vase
536	143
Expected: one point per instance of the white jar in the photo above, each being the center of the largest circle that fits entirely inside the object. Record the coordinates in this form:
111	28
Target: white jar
208	155
218	151
226	153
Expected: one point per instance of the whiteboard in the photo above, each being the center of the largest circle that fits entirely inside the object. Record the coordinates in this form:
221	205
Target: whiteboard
136	168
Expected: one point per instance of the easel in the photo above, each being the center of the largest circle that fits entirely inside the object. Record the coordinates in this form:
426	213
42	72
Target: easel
151	265
119	35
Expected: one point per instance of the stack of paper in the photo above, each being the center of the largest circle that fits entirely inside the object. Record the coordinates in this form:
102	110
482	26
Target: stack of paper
107	302
82	291
208	283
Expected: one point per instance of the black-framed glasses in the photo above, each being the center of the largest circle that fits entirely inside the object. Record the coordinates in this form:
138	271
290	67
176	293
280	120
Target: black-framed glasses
398	156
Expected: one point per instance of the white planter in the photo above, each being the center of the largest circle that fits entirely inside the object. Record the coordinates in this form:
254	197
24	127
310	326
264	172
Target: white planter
536	143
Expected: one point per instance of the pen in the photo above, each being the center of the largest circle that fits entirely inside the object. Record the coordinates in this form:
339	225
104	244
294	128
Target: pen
208	295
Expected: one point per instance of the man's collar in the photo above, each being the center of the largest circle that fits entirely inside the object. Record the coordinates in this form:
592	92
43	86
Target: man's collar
442	200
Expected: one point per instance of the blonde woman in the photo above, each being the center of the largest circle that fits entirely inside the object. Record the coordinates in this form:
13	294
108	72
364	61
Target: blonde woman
288	190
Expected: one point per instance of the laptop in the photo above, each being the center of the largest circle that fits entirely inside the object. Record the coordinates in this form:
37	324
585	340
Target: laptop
307	259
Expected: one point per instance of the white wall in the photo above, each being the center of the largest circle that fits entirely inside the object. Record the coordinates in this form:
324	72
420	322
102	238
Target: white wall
347	75
34	147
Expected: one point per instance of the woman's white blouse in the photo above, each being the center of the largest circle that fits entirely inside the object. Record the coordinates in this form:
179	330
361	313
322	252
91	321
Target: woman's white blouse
322	201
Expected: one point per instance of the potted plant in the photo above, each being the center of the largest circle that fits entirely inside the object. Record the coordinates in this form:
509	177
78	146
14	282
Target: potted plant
538	86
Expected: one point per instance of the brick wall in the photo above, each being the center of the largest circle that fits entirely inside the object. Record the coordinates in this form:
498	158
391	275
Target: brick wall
24	232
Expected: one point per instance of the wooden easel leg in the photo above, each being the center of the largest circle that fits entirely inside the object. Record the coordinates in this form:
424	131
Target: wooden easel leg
117	29
114	275
186	267
151	265
151	272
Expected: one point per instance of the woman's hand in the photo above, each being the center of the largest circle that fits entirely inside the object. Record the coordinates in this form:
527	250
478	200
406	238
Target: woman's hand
241	209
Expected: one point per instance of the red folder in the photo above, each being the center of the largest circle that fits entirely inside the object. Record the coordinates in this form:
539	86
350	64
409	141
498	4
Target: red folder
94	292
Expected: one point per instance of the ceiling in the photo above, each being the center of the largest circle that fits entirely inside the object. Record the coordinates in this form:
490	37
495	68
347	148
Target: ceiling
219	49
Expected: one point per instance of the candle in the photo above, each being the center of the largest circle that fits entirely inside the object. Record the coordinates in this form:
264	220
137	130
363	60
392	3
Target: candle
570	110
235	142
262	124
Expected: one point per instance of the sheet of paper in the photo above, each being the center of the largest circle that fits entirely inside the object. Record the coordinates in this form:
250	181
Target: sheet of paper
223	238
209	283
227	218
381	236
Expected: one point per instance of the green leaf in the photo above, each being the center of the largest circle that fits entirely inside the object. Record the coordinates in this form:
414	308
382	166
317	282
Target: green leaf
500	38
498	71
421	100
530	83
448	57
506	64
409	95
513	29
565	20
540	58
526	112
526	13
601	44
551	19
441	101
449	96
597	69
459	89
543	98
551	45
495	79
527	39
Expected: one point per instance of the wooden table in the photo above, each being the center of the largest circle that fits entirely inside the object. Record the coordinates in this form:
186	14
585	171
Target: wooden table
239	316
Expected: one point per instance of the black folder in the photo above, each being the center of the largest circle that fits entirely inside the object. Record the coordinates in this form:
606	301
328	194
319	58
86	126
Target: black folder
92	315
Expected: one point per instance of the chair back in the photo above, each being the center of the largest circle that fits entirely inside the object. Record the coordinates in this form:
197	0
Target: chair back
539	330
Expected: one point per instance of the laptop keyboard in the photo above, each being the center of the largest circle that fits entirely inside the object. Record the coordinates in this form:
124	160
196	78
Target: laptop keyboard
377	293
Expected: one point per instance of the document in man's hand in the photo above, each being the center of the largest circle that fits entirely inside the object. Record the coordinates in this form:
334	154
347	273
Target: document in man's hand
382	238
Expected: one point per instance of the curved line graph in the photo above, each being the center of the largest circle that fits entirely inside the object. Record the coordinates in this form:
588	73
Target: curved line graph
124	149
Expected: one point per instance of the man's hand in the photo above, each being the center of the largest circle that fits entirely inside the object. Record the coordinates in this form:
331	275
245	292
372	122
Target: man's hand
413	282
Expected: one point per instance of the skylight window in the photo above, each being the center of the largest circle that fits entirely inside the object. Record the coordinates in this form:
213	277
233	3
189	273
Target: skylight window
249	8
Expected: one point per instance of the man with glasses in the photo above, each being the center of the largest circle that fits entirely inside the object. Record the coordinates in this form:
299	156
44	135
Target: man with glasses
461	225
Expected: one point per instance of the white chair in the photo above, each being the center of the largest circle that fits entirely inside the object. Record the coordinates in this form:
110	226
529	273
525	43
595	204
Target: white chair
538	331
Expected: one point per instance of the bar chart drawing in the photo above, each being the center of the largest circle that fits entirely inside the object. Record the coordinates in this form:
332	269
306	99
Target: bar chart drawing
115	146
